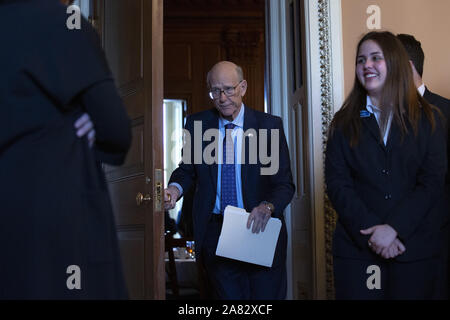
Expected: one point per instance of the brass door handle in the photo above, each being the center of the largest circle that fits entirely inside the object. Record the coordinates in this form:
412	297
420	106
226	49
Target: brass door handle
140	198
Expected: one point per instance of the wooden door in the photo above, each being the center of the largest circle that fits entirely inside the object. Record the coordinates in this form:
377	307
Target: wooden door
131	32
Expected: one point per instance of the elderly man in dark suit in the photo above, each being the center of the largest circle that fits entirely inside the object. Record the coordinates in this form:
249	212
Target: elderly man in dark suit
262	190
417	57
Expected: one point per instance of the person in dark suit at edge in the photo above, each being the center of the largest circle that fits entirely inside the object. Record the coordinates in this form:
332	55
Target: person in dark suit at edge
417	57
57	237
233	183
384	170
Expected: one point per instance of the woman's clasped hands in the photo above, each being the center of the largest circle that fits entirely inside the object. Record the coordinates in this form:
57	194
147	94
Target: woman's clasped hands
384	241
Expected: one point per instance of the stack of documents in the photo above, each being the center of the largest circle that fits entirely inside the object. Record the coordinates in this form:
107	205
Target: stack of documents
239	243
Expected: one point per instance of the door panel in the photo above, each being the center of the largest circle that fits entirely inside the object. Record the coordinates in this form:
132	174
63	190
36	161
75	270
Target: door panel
132	248
126	211
134	163
123	22
131	33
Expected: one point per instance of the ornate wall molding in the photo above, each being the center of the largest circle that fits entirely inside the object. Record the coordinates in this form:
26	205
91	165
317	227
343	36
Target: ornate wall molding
327	112
325	68
323	41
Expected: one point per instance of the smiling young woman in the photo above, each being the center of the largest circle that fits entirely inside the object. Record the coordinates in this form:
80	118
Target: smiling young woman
393	87
384	170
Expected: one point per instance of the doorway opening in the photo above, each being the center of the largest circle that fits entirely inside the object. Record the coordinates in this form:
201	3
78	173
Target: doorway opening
174	119
195	39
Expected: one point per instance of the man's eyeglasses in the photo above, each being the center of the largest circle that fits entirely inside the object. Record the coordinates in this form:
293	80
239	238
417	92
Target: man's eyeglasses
215	93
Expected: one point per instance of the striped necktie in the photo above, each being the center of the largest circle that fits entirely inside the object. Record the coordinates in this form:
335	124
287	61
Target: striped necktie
228	192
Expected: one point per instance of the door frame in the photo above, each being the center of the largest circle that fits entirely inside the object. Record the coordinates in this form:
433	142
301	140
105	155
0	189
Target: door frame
154	167
325	94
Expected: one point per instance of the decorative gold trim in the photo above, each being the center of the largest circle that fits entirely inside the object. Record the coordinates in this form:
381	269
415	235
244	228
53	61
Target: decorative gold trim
327	115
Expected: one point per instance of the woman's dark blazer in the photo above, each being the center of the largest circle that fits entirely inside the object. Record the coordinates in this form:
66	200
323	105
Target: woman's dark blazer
400	184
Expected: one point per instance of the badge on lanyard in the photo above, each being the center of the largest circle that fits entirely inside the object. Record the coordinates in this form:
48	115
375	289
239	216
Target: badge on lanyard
364	114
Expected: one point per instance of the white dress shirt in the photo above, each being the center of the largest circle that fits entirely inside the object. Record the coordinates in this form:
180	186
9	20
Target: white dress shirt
421	89
376	111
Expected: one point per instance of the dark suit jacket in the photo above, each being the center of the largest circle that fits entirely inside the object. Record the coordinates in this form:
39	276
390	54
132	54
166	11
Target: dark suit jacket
400	184
55	206
277	189
444	105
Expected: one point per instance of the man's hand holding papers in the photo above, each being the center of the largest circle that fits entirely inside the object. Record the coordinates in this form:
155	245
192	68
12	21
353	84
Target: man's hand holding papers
239	243
260	215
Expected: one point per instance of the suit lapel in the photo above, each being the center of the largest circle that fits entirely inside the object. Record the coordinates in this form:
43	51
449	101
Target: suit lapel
372	125
429	97
393	137
212	123
250	122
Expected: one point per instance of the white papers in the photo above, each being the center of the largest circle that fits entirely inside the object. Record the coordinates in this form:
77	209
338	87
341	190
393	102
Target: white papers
239	243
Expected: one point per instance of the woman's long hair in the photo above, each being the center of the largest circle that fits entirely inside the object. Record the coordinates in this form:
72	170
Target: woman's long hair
399	95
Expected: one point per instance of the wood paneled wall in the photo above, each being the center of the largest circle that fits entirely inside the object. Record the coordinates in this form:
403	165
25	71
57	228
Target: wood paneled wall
198	34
